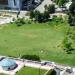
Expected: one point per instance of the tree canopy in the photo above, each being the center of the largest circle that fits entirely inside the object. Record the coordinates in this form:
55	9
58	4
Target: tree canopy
61	2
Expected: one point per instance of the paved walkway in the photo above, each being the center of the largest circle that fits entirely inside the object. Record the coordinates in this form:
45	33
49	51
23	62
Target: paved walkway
4	20
37	65
60	69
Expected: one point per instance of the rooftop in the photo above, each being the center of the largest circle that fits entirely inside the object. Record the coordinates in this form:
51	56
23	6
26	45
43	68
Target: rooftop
7	62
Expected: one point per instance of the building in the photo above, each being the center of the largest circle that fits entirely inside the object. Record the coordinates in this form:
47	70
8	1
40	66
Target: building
8	64
10	4
18	4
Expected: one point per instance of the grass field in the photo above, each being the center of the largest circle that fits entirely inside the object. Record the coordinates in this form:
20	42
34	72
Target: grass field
41	39
31	71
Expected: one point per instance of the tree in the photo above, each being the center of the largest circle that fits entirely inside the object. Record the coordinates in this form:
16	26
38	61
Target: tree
67	46
38	16
72	8
46	7
68	41
51	8
73	0
41	17
46	16
32	14
51	72
71	18
57	1
61	2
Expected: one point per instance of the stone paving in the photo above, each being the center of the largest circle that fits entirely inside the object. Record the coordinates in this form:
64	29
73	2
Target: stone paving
60	69
4	20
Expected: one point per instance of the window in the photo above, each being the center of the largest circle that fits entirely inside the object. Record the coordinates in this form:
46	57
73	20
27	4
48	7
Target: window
14	2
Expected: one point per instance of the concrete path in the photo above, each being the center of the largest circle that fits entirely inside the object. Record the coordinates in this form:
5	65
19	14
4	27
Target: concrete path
60	69
5	20
37	65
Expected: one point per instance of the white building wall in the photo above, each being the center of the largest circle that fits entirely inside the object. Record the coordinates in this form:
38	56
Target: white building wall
12	5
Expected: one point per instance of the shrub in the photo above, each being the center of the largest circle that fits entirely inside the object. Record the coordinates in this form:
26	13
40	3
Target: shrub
71	20
51	8
58	19
61	2
20	21
32	14
51	72
39	17
67	45
72	8
31	57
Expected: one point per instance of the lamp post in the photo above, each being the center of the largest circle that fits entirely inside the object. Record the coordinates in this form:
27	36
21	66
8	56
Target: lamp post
40	63
19	7
39	69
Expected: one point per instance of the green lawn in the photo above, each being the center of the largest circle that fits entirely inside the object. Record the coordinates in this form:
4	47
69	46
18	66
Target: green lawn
2	74
40	39
31	71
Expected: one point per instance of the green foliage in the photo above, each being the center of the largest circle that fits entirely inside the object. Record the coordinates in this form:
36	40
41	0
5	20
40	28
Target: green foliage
20	21
58	19
40	17
32	14
30	71
71	20
72	9
46	7
51	72
68	47
68	42
73	0
61	2
31	57
43	17
51	8
57	1
46	16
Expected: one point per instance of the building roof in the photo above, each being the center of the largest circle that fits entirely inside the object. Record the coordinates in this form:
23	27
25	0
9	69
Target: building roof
7	62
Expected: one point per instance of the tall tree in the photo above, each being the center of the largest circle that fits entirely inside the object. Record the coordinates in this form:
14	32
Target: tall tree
51	8
71	19
61	2
32	14
72	8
